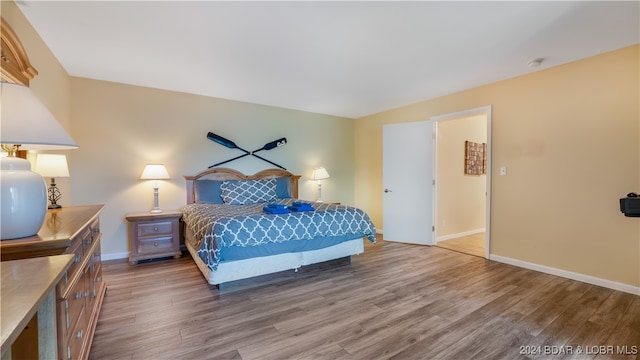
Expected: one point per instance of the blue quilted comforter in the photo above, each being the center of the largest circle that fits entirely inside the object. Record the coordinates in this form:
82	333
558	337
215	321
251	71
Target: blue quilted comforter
216	226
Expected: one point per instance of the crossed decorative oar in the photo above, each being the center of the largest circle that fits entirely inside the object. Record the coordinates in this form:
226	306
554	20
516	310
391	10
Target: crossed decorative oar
231	145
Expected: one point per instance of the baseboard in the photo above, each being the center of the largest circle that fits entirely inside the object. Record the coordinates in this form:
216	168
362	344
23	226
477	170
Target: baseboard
115	256
458	235
635	290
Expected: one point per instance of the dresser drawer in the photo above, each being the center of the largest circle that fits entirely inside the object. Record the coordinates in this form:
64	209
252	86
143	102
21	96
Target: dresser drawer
96	271
71	308
78	252
155	228
76	339
90	235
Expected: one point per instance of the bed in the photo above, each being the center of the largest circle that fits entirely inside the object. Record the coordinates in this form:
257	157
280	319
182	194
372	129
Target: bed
232	232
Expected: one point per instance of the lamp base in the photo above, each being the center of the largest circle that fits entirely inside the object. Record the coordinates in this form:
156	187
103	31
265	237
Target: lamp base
54	195
24	199
319	199
156	206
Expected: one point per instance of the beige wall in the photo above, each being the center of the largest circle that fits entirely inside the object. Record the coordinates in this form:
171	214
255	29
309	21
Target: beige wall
120	128
461	203
570	138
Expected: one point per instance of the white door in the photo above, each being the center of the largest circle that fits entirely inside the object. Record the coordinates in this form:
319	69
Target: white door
407	180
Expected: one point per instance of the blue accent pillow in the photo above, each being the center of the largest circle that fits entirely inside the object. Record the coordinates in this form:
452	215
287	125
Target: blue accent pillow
208	191
283	187
244	192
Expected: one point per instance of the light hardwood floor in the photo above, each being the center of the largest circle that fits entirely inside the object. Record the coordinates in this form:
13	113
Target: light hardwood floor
395	301
471	244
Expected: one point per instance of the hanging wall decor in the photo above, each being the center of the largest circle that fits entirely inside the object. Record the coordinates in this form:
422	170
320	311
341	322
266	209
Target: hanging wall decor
475	158
231	145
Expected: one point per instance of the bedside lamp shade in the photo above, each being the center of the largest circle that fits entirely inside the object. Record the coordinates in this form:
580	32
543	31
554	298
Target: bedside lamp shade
155	172
318	174
52	165
26	124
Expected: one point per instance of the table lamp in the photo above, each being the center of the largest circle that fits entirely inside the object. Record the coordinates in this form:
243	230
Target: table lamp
28	125
53	166
155	172
319	173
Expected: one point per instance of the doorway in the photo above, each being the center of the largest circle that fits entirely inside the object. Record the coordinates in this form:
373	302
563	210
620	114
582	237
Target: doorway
462	188
410	189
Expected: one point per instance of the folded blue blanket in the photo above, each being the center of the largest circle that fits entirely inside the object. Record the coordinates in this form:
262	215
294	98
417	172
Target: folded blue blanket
276	209
301	206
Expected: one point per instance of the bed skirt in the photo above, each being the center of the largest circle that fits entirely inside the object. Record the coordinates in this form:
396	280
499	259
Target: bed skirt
247	268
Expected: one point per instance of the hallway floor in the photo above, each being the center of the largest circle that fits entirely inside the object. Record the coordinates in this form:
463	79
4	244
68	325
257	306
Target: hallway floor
472	244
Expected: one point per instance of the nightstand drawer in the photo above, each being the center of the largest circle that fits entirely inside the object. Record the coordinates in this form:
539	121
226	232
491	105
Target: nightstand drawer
157	244
155	228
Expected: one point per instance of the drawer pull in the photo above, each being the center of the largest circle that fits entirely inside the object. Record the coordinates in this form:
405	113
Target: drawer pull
77	259
86	294
99	279
78	295
66	313
155	228
155	244
79	334
89	241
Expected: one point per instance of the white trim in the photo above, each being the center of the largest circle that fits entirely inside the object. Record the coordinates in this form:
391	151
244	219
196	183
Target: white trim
459	235
115	256
635	290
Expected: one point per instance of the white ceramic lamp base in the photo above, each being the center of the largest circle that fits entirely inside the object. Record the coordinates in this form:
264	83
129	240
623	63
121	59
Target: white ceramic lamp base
24	199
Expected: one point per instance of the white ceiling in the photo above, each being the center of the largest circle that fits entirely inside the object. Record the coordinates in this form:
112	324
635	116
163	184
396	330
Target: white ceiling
348	59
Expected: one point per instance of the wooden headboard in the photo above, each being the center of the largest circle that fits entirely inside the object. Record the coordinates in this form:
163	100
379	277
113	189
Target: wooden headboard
16	67
230	174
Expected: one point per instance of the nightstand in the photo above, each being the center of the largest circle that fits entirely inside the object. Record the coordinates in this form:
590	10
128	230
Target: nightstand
154	235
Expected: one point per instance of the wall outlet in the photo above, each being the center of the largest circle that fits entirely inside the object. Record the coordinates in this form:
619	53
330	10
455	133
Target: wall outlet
503	170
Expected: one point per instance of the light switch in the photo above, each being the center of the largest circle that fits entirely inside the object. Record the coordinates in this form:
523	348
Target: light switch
503	170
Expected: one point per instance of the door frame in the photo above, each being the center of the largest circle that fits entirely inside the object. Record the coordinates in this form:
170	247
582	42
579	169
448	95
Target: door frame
484	110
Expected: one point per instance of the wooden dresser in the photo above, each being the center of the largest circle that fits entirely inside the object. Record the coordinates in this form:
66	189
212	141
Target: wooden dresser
28	291
70	230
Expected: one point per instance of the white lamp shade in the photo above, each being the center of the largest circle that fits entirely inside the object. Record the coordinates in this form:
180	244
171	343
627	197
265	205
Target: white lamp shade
52	165
27	122
154	172
319	173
